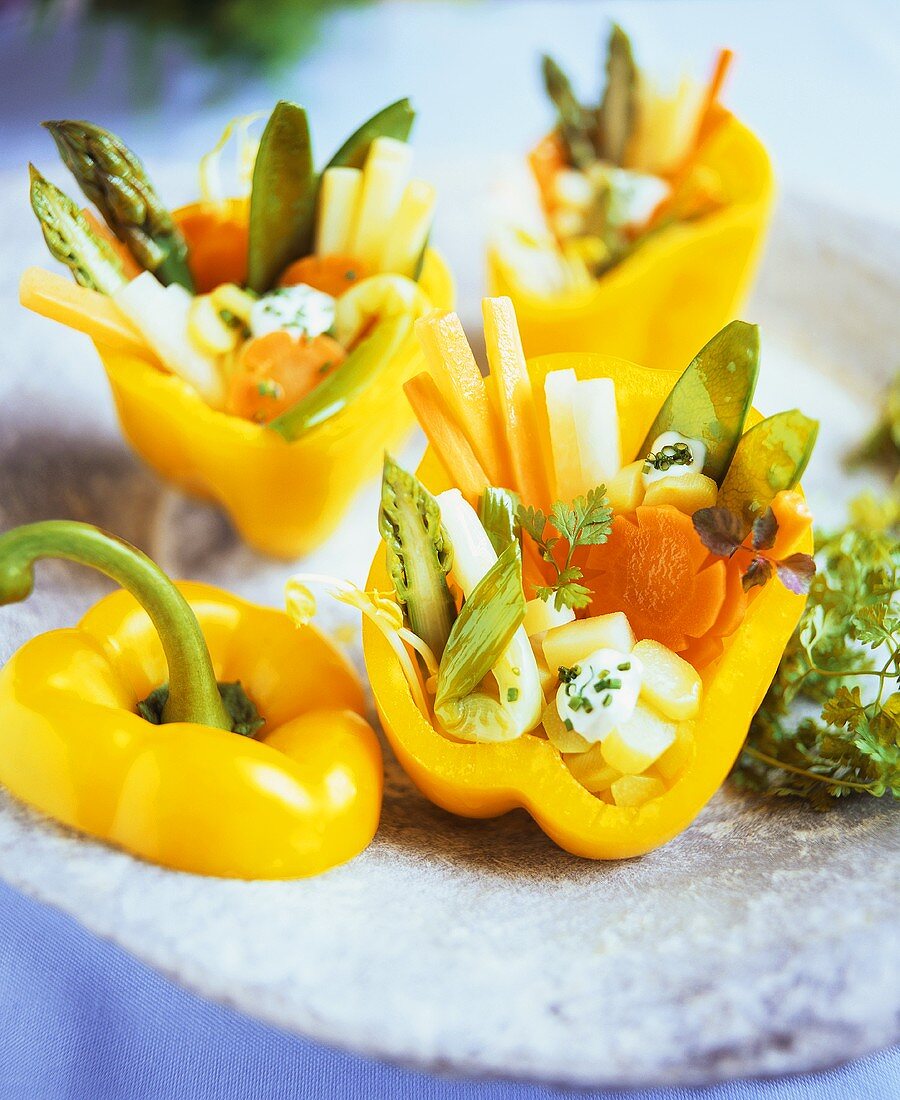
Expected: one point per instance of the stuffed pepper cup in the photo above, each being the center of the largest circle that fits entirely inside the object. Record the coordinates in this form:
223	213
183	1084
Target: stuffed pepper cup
653	211
631	598
256	347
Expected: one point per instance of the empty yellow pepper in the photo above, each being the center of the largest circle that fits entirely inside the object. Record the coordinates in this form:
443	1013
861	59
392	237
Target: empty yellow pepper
679	287
488	779
185	776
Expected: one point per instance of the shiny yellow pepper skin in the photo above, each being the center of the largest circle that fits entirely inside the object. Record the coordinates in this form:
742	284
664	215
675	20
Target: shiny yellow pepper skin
678	288
485	780
284	498
301	798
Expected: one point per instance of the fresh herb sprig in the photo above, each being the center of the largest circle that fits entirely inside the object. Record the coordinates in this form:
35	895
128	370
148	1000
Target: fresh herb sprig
587	521
842	666
723	534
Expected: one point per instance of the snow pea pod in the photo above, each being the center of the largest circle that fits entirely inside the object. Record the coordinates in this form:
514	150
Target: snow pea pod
394	121
770	457
711	399
283	196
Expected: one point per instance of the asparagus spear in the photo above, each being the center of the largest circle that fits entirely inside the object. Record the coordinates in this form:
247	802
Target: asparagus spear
418	554
618	111
72	240
114	180
574	120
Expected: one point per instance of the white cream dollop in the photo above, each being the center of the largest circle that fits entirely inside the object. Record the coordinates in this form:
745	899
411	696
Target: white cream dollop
675	469
601	694
300	310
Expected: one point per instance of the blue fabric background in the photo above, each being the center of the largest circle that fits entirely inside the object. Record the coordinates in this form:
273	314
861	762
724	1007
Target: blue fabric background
82	1020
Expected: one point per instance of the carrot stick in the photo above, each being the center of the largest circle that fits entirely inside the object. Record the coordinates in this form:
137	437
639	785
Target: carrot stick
453	367
446	437
515	400
717	80
87	311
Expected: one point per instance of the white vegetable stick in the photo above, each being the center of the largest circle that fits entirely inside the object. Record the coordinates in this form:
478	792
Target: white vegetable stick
161	315
338	204
559	388
597	428
384	177
473	556
409	229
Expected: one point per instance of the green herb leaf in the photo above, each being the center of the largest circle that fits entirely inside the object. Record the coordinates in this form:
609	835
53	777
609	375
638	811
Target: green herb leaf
829	665
796	573
587	521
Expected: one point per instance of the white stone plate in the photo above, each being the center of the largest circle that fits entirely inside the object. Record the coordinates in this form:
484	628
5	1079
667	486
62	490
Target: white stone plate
761	941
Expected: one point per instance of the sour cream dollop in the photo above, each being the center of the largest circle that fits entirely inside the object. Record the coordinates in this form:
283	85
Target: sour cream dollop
599	693
300	310
672	460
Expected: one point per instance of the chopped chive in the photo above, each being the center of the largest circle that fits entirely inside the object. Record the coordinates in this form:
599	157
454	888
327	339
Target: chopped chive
607	700
625	666
568	724
512	694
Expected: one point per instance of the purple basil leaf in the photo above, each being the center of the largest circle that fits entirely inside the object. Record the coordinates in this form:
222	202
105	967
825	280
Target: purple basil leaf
720	531
765	528
758	572
796	573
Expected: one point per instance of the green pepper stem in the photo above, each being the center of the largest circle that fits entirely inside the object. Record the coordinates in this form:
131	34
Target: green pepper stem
193	691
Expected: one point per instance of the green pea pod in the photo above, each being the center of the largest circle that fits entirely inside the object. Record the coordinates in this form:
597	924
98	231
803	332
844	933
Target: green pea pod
358	371
394	121
770	457
282	198
711	399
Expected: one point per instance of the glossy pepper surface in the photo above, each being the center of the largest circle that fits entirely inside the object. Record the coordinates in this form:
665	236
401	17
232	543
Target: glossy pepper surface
285	498
299	796
485	780
679	287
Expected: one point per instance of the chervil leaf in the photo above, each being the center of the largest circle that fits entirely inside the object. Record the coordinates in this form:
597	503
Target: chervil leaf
587	521
796	573
854	747
720	531
765	529
844	708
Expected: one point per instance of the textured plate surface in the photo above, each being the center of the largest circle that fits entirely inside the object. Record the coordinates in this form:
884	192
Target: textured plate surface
763	940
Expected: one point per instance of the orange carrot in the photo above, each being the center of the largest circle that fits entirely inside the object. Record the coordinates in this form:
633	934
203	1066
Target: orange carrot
217	235
446	437
707	116
274	371
330	274
515	401
57	297
794	521
456	374
545	160
655	569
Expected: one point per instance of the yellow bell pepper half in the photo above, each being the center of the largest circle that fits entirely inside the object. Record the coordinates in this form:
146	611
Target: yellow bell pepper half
284	498
485	780
678	288
302	795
